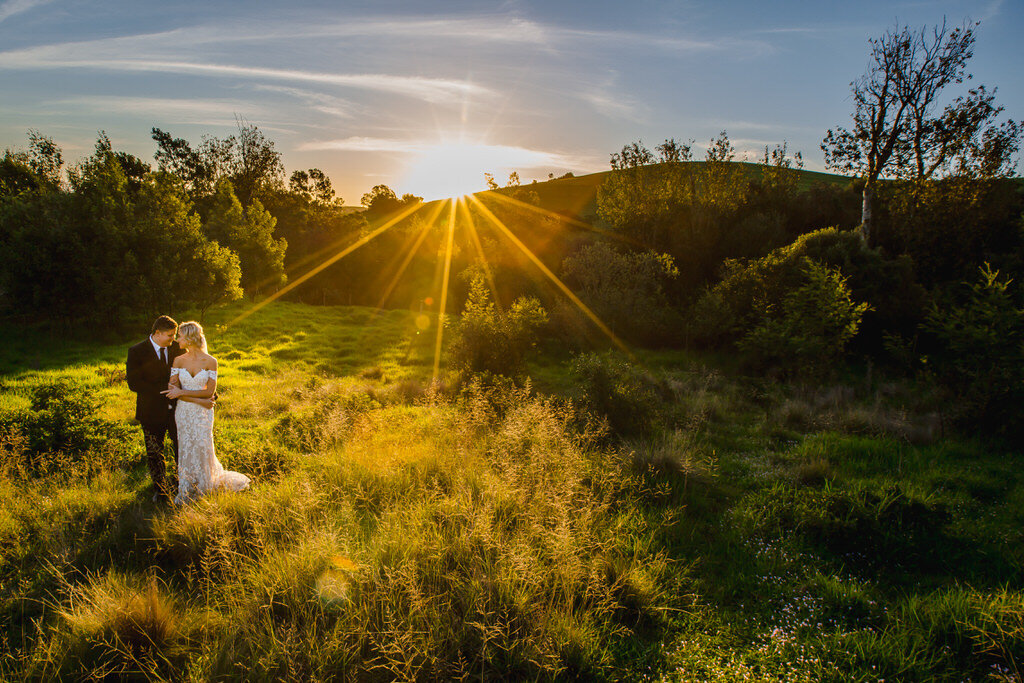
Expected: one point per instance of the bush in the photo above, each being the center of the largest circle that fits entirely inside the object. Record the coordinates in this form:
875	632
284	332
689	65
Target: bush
61	429
627	291
738	304
619	391
811	327
979	360
487	340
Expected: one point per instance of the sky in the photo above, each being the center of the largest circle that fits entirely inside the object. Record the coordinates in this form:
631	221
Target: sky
424	96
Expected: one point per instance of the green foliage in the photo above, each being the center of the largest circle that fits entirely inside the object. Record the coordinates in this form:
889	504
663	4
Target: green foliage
979	359
382	201
61	429
811	327
923	218
250	233
752	292
493	341
612	387
627	291
702	213
118	246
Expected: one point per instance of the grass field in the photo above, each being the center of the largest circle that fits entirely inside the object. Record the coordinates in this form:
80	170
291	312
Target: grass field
689	523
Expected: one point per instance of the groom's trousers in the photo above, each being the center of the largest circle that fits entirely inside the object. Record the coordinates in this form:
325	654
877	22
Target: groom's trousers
153	435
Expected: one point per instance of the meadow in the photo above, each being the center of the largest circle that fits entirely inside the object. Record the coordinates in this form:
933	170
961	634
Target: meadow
660	517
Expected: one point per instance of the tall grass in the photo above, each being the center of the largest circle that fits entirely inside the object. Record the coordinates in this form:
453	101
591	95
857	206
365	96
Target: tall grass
717	528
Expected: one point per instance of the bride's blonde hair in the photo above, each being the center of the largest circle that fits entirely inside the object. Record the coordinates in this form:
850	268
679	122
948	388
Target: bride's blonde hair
191	333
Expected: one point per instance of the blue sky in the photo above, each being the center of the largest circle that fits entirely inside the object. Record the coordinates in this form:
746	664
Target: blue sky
367	91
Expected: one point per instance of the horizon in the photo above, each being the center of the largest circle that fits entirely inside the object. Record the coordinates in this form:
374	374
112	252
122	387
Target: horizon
428	99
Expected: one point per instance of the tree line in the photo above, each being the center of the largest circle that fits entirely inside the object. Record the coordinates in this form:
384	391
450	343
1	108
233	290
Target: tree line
115	237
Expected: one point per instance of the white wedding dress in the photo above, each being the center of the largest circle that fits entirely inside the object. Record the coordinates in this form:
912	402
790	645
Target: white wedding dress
199	471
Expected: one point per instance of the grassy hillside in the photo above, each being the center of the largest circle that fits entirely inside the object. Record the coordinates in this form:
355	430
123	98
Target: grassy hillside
727	527
577	196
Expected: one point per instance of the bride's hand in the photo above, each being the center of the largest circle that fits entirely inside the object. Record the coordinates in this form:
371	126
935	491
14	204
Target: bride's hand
205	402
172	392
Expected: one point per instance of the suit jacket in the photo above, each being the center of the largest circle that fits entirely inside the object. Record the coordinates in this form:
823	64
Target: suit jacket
147	376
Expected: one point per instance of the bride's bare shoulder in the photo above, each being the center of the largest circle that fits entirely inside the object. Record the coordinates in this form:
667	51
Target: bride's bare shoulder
209	362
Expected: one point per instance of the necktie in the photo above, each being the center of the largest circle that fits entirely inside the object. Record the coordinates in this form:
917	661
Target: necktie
163	355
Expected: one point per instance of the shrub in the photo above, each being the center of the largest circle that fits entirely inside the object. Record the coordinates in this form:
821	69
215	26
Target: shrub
730	310
979	359
617	390
627	291
488	340
61	427
811	327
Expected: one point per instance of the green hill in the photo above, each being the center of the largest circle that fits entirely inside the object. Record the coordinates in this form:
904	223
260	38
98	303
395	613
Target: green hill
577	196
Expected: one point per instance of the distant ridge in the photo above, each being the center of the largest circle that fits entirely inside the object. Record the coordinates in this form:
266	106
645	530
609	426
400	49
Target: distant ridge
577	196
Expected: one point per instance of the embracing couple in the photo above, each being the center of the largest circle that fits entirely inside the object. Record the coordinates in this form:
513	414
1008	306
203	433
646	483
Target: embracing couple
176	387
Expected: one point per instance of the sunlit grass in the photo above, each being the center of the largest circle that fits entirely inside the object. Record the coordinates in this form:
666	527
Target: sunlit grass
394	531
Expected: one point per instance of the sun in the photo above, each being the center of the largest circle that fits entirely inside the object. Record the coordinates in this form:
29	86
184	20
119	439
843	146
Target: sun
451	170
455	169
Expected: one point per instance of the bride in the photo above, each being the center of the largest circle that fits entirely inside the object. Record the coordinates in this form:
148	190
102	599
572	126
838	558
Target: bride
193	382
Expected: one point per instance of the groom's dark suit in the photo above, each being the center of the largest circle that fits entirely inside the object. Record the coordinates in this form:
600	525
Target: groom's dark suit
147	376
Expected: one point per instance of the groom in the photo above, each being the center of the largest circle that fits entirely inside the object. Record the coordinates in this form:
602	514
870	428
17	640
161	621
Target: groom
147	371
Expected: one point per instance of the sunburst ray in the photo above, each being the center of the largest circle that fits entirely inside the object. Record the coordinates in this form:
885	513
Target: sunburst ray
551	276
512	201
444	290
334	259
475	239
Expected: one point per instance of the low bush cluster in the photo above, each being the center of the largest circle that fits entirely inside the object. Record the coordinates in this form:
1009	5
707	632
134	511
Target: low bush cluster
979	354
489	340
62	430
627	291
623	393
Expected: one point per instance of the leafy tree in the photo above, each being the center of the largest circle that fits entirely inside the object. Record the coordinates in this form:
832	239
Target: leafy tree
644	195
257	165
751	290
38	168
115	247
176	156
627	291
17	178
979	355
899	129
248	159
487	340
949	225
44	157
250	233
382	201
812	326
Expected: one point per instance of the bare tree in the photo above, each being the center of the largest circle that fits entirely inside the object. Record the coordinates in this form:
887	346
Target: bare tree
898	127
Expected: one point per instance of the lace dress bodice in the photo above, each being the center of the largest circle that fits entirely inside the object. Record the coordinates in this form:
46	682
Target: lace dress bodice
199	471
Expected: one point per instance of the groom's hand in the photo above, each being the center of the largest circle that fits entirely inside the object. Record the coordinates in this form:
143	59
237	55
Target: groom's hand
172	392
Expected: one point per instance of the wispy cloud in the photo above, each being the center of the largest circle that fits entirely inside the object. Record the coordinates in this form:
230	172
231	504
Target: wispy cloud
160	105
12	7
318	101
364	144
991	10
66	56
504	155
